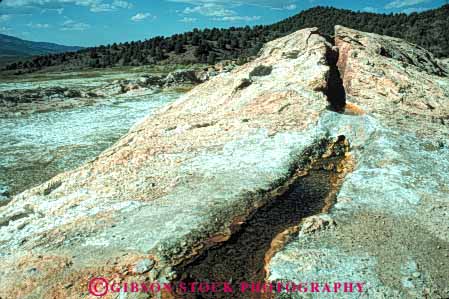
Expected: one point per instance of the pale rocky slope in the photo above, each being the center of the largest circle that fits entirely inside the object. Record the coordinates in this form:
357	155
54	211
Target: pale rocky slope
391	213
184	179
177	181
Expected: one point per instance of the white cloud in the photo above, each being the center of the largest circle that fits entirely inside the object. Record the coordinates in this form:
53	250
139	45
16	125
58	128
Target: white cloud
101	7
404	3
59	11
122	4
71	25
5	30
218	12
370	9
5	18
238	18
290	7
142	16
414	9
93	5
210	10
188	20
280	4
38	25
286	7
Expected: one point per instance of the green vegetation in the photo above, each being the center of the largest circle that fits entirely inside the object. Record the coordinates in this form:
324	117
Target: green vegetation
427	29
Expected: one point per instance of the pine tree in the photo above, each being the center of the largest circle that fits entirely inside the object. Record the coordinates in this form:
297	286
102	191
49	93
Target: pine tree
212	58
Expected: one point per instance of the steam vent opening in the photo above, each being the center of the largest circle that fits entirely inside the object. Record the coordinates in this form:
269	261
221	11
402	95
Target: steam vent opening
242	258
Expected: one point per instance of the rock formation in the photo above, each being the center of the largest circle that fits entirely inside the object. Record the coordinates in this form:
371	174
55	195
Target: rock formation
184	179
177	182
391	78
390	231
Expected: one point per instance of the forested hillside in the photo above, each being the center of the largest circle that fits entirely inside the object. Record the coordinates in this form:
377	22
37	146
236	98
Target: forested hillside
428	29
13	48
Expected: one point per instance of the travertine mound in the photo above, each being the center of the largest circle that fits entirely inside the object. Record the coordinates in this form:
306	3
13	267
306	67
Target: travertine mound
390	220
390	77
183	179
176	182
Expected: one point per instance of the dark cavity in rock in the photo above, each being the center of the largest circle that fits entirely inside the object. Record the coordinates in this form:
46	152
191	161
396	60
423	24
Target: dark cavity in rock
335	91
242	257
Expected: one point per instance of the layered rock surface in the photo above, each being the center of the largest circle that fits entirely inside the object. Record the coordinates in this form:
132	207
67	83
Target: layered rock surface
177	183
391	230
184	179
393	79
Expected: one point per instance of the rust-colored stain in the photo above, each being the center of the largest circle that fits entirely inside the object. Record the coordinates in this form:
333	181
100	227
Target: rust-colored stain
353	109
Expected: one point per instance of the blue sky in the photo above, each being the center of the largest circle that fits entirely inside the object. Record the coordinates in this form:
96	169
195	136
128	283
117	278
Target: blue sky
94	22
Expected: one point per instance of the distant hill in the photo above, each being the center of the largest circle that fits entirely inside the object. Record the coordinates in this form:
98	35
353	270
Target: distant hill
13	48
427	29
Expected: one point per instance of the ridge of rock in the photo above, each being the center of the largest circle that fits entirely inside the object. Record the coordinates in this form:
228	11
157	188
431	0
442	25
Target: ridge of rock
391	212
182	179
179	178
393	79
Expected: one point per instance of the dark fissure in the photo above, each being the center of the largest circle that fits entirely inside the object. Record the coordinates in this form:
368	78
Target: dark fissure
335	91
241	258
